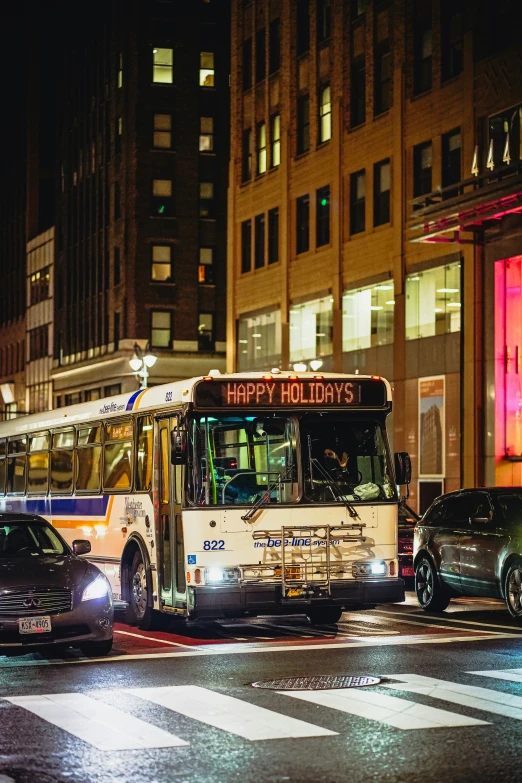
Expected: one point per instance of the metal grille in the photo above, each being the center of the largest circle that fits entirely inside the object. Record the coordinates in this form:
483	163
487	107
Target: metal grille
321	682
17	603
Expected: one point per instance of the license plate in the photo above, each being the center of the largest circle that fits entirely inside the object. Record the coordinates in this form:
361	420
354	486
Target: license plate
34	624
408	572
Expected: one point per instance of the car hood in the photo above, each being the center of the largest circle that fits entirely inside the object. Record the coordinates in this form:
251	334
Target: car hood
50	571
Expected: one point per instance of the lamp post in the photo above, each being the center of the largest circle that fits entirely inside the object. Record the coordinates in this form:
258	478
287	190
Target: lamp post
140	364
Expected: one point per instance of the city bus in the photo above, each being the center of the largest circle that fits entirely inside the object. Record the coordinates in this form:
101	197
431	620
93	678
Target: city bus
223	495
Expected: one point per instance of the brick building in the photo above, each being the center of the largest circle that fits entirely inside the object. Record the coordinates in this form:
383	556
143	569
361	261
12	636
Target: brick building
342	115
141	218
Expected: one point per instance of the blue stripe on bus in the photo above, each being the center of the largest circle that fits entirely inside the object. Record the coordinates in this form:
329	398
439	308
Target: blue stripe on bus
132	399
85	507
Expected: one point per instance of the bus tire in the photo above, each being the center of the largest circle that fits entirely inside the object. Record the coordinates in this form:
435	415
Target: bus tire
325	615
139	609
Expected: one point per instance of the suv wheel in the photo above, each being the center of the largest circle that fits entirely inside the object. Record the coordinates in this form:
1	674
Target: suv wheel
513	589
326	615
430	594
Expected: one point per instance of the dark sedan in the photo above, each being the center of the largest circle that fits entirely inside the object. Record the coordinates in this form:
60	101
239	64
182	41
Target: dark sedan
407	521
49	595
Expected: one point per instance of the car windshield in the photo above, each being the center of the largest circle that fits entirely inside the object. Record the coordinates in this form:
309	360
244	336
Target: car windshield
240	459
340	453
20	539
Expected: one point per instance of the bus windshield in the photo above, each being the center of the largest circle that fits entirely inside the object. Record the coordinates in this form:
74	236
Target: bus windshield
237	459
342	453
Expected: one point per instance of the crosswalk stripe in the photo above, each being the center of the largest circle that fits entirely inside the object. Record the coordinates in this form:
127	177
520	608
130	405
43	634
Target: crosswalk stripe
99	724
400	713
512	675
484	699
225	712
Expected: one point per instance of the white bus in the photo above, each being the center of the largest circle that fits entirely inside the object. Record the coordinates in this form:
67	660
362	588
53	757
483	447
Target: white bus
222	496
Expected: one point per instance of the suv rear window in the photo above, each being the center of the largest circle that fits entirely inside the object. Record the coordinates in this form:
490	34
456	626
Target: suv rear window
511	508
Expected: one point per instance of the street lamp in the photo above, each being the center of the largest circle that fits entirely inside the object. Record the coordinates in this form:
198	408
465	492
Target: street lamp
140	364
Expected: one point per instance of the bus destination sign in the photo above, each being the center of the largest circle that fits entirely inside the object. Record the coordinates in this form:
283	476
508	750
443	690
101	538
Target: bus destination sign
284	392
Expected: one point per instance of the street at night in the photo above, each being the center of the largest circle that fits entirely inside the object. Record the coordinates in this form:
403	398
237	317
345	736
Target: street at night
180	706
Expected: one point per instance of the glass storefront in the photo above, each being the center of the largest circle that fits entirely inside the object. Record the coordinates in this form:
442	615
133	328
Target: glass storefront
259	341
368	316
433	302
311	329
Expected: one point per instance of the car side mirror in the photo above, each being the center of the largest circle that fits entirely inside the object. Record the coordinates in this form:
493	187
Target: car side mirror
178	447
81	547
402	467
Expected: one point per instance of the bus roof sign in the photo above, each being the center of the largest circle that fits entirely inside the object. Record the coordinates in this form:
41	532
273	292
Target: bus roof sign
285	392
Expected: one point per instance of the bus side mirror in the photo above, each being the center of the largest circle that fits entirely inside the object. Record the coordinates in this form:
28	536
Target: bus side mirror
178	450
402	467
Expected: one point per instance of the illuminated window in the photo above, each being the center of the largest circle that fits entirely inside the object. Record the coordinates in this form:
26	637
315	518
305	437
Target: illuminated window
40	285
259	341
368	316
275	135
206	265
433	302
206	69
206	134
161	263
120	70
162	66
161	329
325	115
261	148
311	329
162	199
163	131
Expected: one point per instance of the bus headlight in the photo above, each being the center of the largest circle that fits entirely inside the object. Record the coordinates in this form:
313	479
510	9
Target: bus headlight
215	575
98	588
378	569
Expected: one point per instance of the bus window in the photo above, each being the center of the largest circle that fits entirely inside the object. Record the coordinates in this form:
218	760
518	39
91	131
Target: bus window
16	466
62	455
3	452
87	436
235	459
88	476
38	464
144	455
63	439
165	461
117	471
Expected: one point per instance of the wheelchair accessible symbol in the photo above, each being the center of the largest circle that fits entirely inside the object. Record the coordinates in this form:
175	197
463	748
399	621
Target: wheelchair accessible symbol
191	559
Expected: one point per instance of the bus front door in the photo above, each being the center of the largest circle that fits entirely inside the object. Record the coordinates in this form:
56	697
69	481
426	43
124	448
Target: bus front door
171	561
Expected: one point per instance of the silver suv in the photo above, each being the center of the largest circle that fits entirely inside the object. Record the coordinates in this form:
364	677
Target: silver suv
470	543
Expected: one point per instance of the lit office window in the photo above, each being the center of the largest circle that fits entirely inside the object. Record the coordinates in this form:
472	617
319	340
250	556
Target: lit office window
206	134
261	148
161	329
162	66
325	115
368	316
275	125
162	198
206	199
311	329
161	263
433	302
259	341
206	69
206	265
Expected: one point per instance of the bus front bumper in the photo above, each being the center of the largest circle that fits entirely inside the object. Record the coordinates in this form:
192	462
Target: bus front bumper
209	601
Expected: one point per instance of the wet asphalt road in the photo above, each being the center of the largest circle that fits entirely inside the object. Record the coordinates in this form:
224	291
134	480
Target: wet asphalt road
391	739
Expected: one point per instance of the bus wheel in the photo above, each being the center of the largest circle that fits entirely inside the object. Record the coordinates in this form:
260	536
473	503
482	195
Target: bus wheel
139	611
324	615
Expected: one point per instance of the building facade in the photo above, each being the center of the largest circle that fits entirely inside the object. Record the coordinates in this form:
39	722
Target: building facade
141	197
350	121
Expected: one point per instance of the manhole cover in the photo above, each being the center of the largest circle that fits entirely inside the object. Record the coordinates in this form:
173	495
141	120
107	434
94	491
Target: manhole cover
320	682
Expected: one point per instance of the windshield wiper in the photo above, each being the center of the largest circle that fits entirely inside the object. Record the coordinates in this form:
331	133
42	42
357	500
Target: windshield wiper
265	497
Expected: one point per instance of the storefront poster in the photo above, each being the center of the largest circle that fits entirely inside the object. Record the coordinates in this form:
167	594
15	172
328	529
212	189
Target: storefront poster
431	426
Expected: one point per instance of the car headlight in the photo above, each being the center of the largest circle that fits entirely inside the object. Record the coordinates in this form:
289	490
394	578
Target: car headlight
98	588
378	568
214	575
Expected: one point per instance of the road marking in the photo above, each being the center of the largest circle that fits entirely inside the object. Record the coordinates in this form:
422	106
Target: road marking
449	620
400	713
484	699
245	649
99	724
452	619
512	675
158	641
224	712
